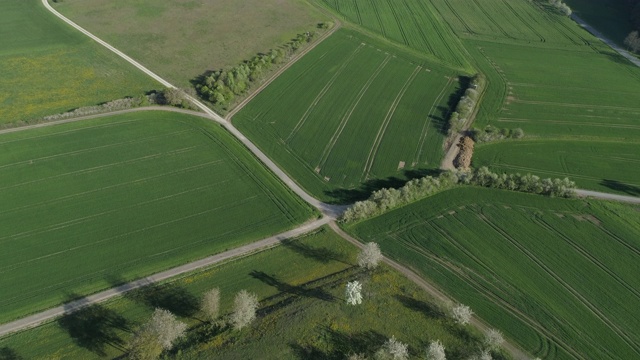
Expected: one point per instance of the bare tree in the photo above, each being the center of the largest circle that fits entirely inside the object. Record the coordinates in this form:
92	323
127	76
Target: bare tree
353	293
633	41
156	335
461	314
493	339
370	256
244	310
210	306
393	350
435	351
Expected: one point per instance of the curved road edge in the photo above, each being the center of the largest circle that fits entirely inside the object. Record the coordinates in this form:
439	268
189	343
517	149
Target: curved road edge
606	196
252	248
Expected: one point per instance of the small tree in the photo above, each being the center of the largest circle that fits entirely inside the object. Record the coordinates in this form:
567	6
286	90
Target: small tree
353	293
156	335
244	310
393	350
370	256
210	306
633	41
435	351
173	96
493	339
461	314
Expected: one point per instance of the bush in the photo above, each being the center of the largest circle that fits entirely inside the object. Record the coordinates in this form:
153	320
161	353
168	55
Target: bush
492	133
467	103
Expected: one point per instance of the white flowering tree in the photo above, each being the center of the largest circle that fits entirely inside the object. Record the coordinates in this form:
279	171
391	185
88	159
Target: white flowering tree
210	305
393	350
435	351
158	334
493	339
461	314
353	293
244	310
370	256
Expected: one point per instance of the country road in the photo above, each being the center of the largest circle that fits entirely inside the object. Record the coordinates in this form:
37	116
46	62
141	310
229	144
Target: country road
606	40
607	196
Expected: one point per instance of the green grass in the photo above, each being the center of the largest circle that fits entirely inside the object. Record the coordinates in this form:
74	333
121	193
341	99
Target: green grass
557	276
47	67
182	39
352	112
302	316
91	203
411	23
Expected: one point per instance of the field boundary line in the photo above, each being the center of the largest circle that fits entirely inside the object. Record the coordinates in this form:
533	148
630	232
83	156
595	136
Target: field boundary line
583	24
322	93
347	116
261	245
385	123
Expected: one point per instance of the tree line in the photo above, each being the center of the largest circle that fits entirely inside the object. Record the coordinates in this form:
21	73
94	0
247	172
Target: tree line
492	133
386	199
467	103
222	86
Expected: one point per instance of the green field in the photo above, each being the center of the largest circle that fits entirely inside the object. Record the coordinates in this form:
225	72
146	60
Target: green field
558	276
182	39
117	198
607	16
47	67
412	23
351	112
303	314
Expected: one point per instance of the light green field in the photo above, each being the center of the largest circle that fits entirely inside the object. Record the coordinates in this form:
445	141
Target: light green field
92	202
352	112
47	67
412	23
182	39
557	276
302	314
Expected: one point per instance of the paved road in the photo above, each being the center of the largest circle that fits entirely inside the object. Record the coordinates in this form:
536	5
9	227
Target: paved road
607	196
39	318
606	40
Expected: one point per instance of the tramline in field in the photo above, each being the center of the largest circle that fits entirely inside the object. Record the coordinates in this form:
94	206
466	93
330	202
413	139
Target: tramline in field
352	111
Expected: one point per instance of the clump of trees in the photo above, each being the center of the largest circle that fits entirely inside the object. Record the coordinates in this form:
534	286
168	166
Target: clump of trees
561	7
222	86
492	133
386	199
632	41
156	335
515	182
467	103
177	97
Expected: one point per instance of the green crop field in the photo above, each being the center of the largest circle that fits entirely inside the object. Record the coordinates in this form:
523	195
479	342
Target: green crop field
47	67
350	112
574	97
303	314
121	197
182	39
412	23
558	276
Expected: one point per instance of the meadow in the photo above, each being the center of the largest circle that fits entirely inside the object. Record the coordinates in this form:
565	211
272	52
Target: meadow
413	24
93	203
47	67
352	112
181	39
558	276
302	314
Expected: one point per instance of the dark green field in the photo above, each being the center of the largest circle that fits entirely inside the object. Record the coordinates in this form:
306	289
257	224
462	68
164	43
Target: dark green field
47	67
557	276
303	314
91	203
352	112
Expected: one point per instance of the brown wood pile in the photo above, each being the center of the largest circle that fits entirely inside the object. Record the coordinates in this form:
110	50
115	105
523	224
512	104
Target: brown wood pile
463	160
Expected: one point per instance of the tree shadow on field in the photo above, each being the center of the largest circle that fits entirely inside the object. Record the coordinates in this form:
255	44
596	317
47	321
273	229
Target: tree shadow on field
283	287
452	103
425	308
7	353
93	327
167	296
341	344
622	187
323	255
349	196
